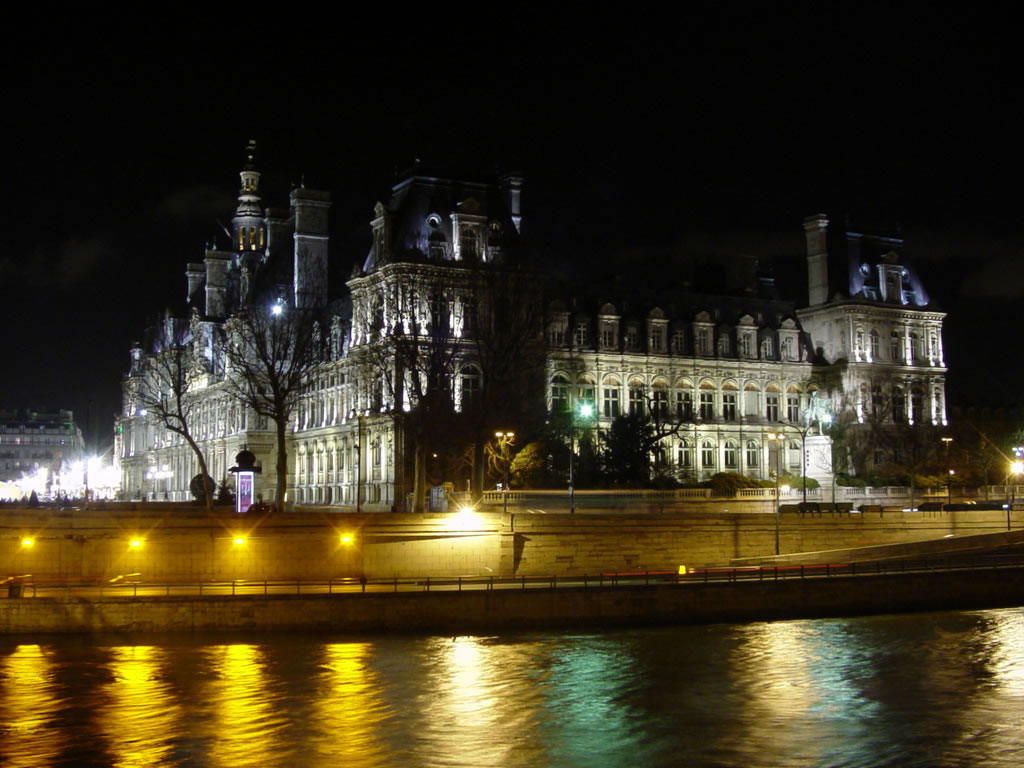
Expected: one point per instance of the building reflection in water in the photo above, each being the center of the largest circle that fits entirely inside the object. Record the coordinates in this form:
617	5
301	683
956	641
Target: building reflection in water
588	709
28	705
801	690
141	714
348	711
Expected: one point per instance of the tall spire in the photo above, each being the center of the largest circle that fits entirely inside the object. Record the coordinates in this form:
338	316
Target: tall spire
248	227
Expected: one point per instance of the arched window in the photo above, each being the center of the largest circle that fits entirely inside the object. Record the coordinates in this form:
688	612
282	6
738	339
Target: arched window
659	398
707	401
729	401
585	390
894	345
610	392
916	405
559	393
684	400
470	384
899	406
707	454
683	456
636	396
731	454
753	453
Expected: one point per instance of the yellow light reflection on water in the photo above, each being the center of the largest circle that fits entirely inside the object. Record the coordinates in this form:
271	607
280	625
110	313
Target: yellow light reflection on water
28	703
142	712
478	703
247	723
348	711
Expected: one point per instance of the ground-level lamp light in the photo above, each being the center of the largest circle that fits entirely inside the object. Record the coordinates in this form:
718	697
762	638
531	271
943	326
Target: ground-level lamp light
28	542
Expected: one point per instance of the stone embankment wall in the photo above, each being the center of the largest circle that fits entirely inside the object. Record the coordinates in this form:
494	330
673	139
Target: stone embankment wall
448	612
183	544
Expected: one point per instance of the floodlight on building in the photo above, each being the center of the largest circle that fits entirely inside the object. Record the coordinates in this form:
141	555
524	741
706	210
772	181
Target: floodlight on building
28	543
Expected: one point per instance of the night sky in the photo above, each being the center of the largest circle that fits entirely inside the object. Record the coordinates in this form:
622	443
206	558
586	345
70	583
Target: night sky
712	133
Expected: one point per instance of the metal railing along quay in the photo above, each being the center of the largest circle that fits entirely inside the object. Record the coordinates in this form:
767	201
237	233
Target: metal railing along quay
25	587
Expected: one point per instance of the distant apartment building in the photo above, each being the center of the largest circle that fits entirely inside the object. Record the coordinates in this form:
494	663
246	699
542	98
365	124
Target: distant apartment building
33	440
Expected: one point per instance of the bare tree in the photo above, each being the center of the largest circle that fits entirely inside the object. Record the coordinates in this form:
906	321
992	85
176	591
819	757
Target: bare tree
169	386
270	353
503	316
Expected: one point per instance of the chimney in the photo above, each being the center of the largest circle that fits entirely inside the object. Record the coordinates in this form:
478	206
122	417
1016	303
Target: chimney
512	186
311	244
816	231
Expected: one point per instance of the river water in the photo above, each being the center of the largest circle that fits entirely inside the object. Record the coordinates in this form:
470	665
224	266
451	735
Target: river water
936	689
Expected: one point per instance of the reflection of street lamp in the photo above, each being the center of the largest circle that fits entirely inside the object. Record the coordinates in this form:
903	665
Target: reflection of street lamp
505	440
586	411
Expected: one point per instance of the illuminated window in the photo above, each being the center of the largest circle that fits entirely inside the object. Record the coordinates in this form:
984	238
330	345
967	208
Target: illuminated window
683	456
657	338
660	400
771	407
580	336
731	454
874	344
767	351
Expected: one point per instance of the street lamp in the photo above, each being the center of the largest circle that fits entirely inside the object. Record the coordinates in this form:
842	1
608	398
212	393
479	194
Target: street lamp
1016	467
949	486
586	411
505	440
778	437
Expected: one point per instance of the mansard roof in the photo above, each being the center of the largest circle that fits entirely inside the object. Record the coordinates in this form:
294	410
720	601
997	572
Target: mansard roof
420	212
854	260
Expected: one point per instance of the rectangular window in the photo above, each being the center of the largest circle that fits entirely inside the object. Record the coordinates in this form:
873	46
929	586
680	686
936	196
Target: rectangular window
660	397
752	455
684	404
607	337
793	408
771	407
678	343
636	400
767	351
632	339
745	345
656	339
556	336
611	402
580	337
707	406
703	341
729	406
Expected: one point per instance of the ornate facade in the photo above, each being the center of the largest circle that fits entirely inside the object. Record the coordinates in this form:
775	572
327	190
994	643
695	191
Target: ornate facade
729	370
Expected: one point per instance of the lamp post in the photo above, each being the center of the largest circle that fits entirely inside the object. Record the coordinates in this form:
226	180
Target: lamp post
780	438
803	451
505	439
586	411
1016	467
949	487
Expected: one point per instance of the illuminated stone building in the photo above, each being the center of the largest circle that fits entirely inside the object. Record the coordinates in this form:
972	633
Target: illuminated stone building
730	370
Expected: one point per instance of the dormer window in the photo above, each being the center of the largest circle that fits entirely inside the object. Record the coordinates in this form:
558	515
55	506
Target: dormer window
632	339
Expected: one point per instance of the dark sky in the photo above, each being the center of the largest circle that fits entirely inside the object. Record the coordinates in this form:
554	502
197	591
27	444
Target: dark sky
715	131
